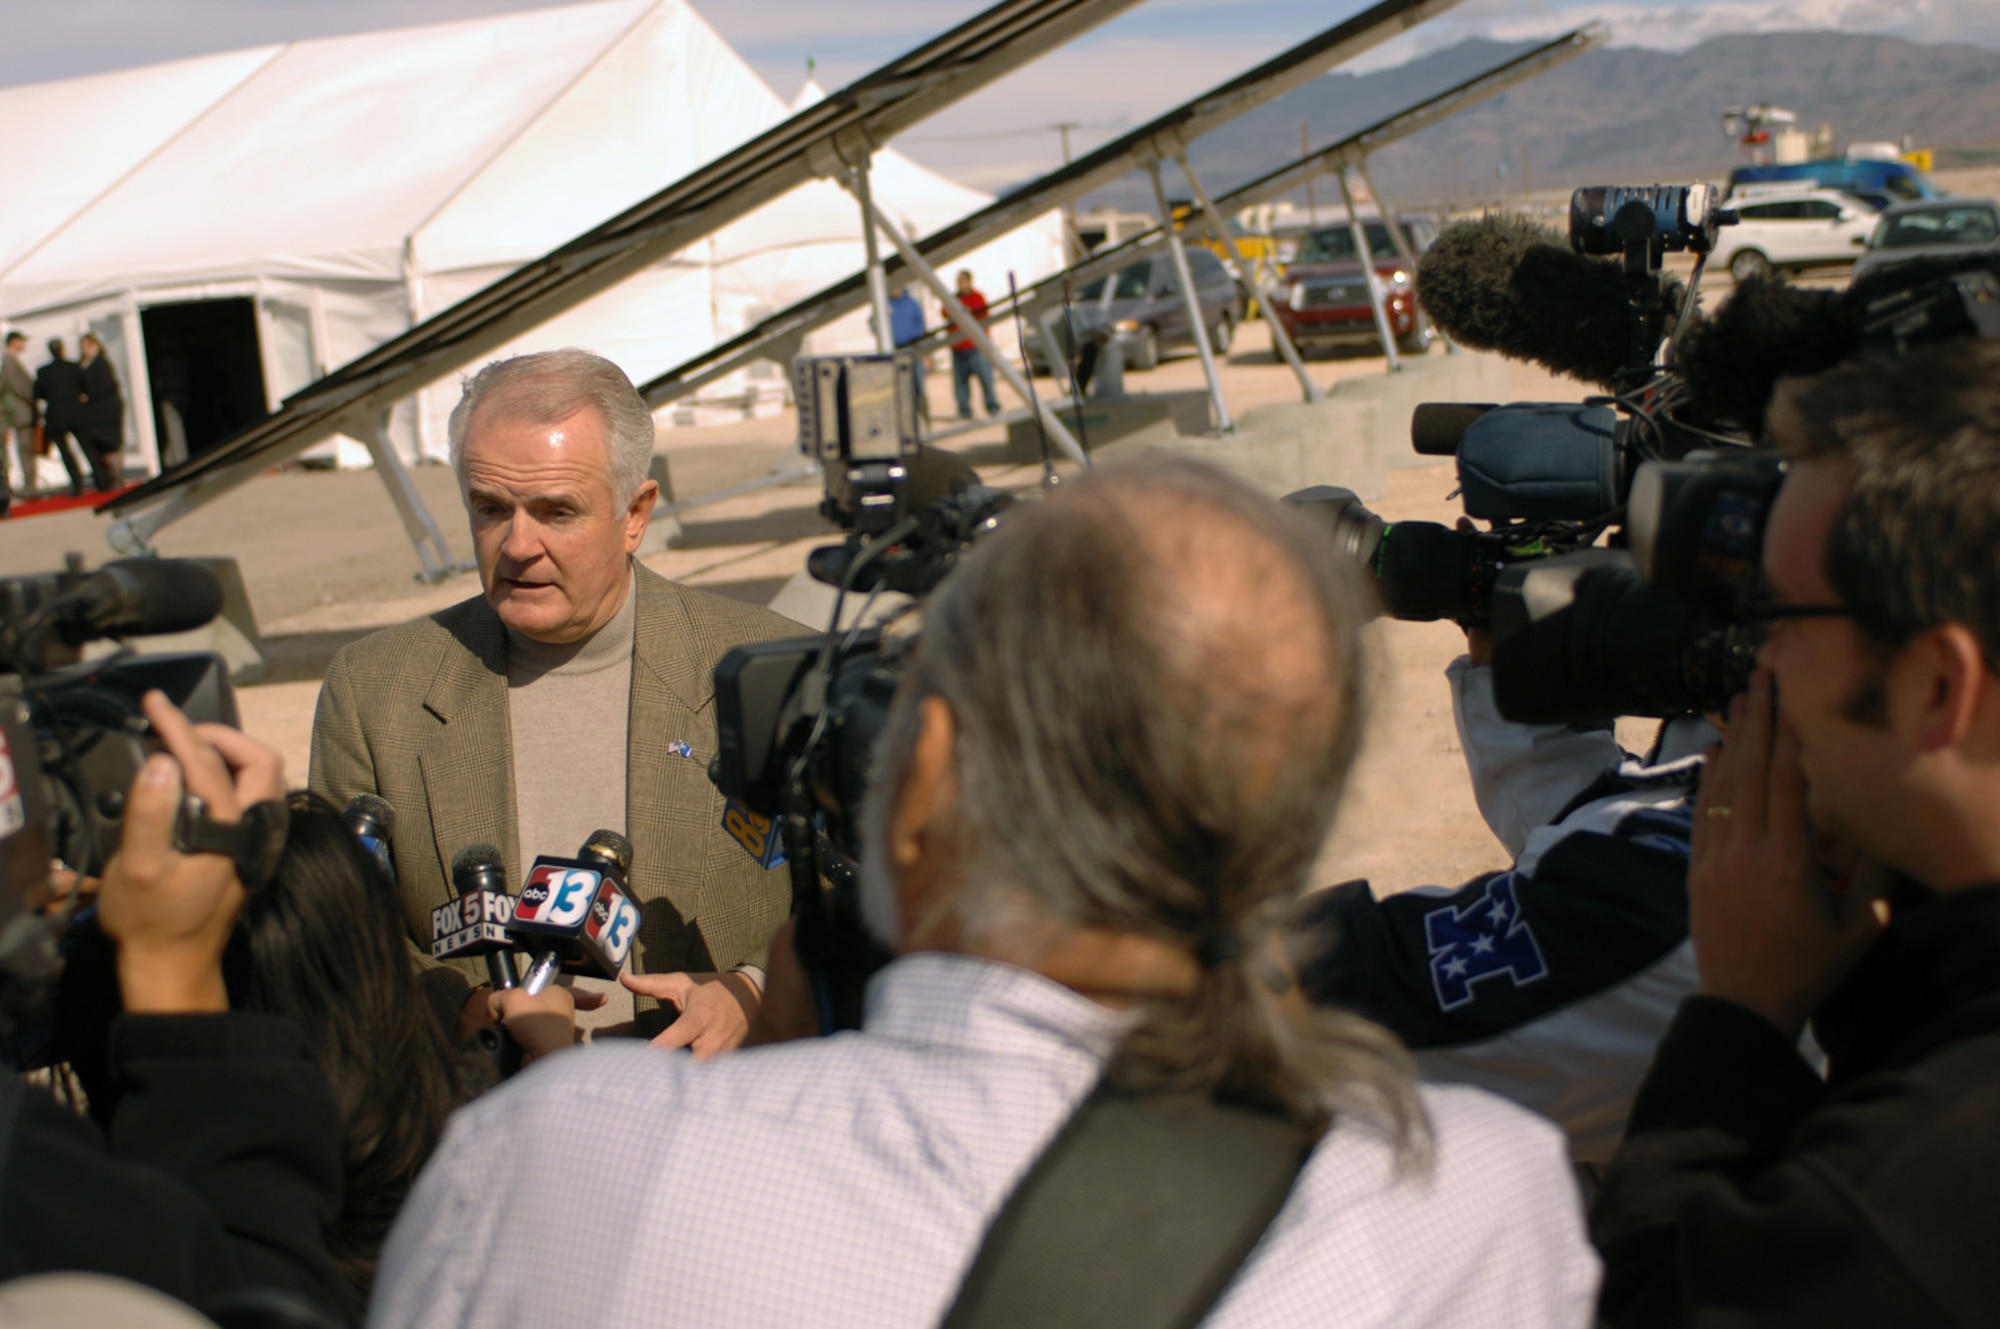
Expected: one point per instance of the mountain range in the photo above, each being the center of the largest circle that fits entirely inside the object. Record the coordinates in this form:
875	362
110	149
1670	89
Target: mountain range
1619	114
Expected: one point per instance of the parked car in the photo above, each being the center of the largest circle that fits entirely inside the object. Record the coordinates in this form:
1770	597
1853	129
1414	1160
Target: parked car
1932	229
1790	227
1325	298
1142	304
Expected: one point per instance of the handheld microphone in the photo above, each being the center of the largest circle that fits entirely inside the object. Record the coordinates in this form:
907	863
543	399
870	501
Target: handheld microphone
576	913
476	922
370	819
1505	284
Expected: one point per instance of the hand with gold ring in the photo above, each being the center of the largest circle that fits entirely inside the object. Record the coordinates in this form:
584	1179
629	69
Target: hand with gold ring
1770	932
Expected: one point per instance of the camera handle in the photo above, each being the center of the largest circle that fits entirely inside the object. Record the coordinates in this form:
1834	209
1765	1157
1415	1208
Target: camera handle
1637	229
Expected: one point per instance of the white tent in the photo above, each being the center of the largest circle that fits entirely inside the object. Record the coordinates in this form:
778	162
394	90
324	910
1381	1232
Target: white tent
233	226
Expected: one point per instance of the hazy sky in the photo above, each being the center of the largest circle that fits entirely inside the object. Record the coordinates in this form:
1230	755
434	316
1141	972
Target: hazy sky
1154	56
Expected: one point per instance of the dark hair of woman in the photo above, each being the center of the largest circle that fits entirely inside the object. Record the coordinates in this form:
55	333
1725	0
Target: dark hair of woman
326	947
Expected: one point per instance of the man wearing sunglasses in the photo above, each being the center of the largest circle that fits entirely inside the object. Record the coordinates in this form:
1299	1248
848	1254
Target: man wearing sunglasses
1846	875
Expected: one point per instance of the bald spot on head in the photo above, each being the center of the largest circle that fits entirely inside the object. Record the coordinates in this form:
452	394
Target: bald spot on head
1241	633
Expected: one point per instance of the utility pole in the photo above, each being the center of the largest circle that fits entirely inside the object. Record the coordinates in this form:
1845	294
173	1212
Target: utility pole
1527	175
1073	251
1305	150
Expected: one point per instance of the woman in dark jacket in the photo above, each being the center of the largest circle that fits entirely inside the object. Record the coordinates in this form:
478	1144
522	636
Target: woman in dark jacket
101	421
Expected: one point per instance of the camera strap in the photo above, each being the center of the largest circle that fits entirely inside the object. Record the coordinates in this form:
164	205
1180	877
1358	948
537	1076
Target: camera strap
1139	1214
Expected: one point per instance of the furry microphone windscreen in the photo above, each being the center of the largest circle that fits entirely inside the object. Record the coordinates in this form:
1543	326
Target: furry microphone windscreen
1765	330
1505	284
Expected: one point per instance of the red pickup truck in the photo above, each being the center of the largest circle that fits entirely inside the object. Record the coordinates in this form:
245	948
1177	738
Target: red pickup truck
1323	299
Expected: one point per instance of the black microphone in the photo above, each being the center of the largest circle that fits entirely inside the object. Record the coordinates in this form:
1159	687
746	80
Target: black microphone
138	597
1506	284
370	819
476	922
576	913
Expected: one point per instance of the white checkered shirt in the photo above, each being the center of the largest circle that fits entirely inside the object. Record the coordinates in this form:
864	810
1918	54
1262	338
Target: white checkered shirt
848	1181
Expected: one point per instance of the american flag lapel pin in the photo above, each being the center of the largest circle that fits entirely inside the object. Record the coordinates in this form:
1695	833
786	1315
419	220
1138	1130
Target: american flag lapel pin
680	748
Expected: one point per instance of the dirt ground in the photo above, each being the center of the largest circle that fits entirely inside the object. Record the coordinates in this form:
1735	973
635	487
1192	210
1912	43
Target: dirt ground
325	561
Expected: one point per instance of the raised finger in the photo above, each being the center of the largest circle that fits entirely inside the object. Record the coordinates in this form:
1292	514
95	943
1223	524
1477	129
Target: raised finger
146	842
662	987
204	770
258	768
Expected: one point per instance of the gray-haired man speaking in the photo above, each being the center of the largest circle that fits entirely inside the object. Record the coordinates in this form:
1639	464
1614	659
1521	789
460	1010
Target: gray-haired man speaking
574	694
1102	786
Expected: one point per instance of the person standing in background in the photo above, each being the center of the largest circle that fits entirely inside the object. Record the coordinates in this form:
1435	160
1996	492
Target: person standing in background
968	360
102	425
906	325
17	412
59	387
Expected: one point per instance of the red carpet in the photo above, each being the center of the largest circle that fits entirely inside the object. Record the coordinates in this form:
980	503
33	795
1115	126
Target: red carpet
35	507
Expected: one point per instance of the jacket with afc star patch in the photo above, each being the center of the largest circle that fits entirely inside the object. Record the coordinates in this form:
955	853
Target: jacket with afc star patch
1550	982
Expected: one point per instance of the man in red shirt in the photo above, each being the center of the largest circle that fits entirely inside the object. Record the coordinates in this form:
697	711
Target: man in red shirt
968	360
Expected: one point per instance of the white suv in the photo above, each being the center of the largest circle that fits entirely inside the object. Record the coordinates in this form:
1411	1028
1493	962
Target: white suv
1783	226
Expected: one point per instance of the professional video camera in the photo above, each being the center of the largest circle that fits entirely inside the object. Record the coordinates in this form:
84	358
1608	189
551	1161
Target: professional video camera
1577	634
797	719
72	736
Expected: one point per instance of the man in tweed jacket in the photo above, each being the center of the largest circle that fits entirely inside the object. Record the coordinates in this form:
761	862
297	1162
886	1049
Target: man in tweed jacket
552	452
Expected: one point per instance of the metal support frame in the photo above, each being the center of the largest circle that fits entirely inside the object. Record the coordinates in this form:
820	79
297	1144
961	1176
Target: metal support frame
1197	321
1250	276
1359	160
973	329
418	524
878	284
1378	299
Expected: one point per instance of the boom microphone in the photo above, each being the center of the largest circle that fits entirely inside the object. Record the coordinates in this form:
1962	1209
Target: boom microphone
139	597
576	913
1504	284
475	923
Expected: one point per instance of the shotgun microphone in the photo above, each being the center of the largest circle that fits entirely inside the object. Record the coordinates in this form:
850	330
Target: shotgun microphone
577	913
475	923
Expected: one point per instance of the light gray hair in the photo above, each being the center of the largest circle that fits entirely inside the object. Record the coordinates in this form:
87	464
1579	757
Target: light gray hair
1156	680
553	385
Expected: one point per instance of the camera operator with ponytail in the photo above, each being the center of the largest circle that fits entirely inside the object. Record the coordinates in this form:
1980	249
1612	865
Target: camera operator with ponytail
220	1166
1087	1090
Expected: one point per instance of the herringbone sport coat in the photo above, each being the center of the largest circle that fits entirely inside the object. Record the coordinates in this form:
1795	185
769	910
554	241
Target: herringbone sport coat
418	714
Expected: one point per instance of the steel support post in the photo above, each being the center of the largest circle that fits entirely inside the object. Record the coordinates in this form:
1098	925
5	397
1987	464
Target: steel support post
1251	277
1403	250
878	283
418	523
1378	299
972	328
1198	321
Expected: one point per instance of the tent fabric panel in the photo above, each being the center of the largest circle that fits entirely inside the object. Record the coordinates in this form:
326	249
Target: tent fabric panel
85	133
668	96
416	108
655	319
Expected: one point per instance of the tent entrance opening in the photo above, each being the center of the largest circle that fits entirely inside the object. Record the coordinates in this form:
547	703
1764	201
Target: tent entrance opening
207	374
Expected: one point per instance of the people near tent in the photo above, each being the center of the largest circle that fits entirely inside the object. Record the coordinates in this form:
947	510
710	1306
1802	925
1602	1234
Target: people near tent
967	360
17	413
906	325
59	387
101	425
